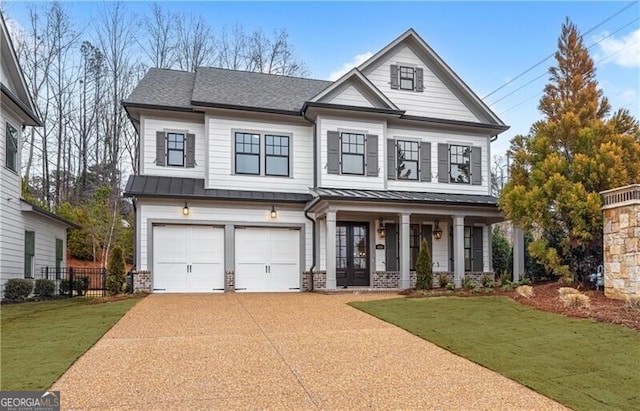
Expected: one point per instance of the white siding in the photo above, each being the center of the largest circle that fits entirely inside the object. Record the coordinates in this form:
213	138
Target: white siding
437	100
350	96
46	232
440	250
435	137
221	156
150	125
206	213
326	124
11	223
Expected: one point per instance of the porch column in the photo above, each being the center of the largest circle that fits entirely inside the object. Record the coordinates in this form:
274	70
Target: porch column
458	250
331	250
518	253
405	276
488	262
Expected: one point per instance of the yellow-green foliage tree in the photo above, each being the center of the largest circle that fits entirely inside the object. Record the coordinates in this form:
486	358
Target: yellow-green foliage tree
568	157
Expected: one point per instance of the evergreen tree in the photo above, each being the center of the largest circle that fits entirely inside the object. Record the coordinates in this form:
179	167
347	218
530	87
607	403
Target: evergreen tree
424	268
569	156
116	272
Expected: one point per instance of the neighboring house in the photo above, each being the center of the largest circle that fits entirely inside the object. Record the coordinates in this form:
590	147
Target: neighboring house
30	237
251	181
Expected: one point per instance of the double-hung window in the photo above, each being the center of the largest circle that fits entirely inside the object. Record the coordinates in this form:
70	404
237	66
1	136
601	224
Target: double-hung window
352	160
11	147
459	164
276	155
407	78
29	253
175	149
407	160
247	153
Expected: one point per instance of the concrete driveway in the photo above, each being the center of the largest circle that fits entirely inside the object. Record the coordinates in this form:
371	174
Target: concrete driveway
276	351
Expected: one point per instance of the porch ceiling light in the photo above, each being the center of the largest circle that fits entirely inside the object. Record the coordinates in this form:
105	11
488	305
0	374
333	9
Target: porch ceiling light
185	209
437	231
381	228
273	213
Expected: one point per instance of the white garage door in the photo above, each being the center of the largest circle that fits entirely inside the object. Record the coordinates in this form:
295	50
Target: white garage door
188	258
267	259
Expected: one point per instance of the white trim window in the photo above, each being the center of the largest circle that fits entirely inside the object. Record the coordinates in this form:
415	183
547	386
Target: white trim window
460	164
408	153
352	151
11	147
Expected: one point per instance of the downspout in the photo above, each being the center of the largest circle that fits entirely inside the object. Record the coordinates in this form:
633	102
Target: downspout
306	211
493	138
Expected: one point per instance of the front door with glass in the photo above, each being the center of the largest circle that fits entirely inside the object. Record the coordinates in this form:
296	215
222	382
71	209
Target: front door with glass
352	254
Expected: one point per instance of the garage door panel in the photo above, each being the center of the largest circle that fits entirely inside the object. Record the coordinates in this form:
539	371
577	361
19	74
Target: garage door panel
267	259
170	244
170	277
206	245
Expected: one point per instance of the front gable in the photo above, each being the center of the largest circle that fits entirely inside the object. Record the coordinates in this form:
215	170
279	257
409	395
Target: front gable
420	83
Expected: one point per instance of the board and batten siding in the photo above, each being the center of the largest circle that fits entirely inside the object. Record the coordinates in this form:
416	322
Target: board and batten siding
437	100
222	156
150	125
363	182
350	96
11	223
436	137
206	213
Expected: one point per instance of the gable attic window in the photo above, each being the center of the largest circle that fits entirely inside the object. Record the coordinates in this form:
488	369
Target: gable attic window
405	77
11	147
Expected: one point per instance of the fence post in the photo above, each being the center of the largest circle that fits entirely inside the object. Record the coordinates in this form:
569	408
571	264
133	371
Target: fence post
104	282
70	282
46	272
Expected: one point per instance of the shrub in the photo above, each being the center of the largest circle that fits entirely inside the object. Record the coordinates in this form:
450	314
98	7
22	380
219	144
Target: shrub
575	300
505	278
487	281
501	252
567	290
525	281
44	288
424	267
525	291
17	288
468	283
64	287
508	286
81	285
116	272
450	286
443	280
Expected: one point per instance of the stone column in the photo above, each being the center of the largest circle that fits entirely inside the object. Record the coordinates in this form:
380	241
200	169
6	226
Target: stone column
458	250
405	275
518	253
331	249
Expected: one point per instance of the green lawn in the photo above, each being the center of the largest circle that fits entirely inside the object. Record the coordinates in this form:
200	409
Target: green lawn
580	363
40	340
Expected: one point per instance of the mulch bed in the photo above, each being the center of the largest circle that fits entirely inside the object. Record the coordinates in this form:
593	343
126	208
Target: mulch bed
546	298
602	308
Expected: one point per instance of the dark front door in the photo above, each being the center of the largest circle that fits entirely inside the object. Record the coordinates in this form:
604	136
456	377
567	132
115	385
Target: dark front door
352	254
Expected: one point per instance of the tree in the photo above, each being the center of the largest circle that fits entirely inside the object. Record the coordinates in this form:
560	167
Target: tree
116	270
568	157
424	267
502	252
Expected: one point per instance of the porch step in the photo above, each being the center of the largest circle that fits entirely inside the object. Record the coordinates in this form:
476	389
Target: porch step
356	290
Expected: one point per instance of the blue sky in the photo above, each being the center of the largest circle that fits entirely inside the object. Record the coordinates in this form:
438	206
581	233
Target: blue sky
486	43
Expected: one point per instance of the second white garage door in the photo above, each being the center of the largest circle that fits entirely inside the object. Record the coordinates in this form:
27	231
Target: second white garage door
267	259
188	258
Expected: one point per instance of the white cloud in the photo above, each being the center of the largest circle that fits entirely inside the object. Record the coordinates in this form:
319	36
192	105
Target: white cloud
624	51
355	62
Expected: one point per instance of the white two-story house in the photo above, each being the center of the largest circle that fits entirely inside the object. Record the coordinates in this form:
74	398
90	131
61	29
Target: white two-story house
255	182
31	238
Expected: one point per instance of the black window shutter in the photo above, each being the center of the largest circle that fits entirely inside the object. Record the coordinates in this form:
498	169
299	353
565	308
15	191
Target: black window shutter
190	157
333	152
391	247
419	79
394	80
476	242
392	152
161	141
425	161
476	165
372	155
443	163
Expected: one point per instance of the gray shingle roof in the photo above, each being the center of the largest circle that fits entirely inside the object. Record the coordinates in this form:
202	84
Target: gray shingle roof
405	196
185	188
224	88
241	88
163	87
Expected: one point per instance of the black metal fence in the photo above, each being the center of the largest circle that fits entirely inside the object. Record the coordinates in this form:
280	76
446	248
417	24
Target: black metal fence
77	281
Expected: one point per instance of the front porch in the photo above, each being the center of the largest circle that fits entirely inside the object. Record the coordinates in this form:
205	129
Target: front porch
375	244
